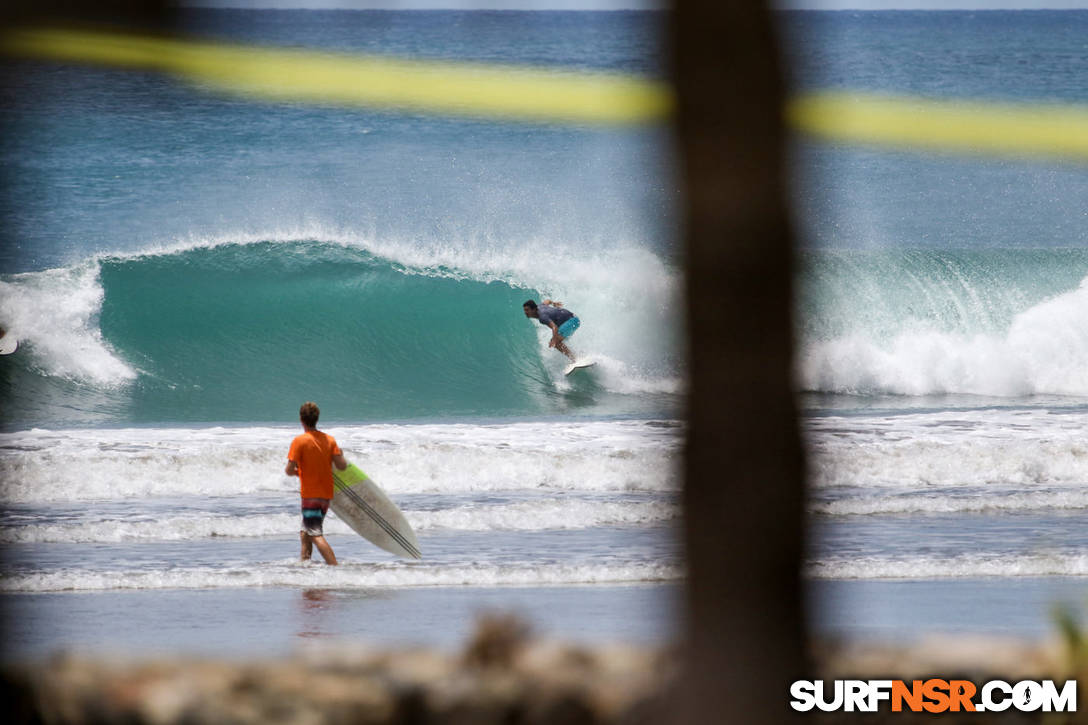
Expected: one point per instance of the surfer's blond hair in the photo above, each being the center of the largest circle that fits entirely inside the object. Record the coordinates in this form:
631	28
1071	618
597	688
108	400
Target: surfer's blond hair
308	414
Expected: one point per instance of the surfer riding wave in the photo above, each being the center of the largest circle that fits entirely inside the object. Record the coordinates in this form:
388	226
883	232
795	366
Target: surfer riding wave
553	315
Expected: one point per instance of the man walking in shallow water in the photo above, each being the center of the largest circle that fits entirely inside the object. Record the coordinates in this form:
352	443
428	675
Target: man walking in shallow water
311	458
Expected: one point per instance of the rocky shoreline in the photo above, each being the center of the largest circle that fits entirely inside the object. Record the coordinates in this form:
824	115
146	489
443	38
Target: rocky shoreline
503	675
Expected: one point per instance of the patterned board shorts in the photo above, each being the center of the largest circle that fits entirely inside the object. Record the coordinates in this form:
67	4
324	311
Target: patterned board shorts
313	515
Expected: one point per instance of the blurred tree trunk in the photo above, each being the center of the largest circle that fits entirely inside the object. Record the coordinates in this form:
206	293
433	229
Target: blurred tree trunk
743	488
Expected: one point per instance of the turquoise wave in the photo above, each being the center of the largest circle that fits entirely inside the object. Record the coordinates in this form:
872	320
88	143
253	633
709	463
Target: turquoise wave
246	332
251	331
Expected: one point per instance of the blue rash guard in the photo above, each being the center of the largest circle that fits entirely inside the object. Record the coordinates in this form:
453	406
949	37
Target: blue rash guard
563	318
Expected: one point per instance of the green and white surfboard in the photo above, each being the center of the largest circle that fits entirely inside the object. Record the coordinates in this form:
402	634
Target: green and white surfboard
366	509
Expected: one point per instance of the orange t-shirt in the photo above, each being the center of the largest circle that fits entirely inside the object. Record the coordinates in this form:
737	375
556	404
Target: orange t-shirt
312	452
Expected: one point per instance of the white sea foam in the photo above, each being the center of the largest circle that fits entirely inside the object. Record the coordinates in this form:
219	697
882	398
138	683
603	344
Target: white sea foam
54	315
291	573
536	515
614	375
553	514
1074	499
107	464
1043	351
1057	563
995	452
171	528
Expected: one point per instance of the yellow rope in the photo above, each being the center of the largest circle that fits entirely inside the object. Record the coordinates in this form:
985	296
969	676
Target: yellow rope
947	125
489	91
464	89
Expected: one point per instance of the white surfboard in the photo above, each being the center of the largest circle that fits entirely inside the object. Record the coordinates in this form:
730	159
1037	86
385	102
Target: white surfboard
8	344
578	365
369	512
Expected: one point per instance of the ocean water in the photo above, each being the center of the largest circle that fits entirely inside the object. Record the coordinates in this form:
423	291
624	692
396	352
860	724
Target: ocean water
942	336
183	269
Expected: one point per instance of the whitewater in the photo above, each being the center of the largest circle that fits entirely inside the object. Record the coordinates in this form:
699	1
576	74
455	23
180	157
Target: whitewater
1004	323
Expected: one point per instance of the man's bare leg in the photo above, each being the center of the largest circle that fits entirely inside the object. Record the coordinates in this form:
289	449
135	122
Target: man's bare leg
325	550
561	347
307	545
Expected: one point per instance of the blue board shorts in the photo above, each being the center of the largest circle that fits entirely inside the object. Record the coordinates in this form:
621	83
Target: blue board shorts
567	328
313	515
